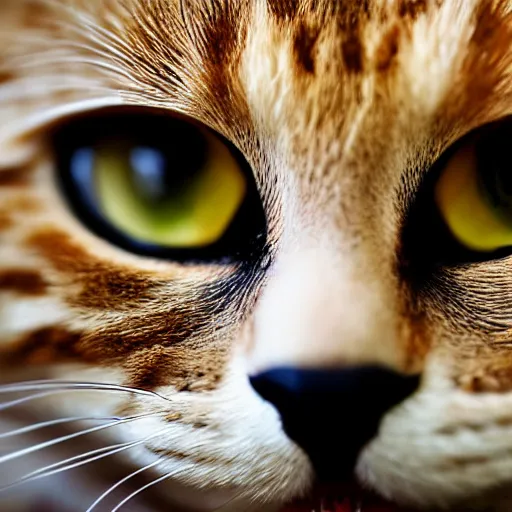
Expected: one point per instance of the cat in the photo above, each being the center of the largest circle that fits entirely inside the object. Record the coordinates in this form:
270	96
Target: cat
248	247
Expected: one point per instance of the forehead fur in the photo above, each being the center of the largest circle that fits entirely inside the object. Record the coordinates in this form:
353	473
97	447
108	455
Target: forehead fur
198	57
423	51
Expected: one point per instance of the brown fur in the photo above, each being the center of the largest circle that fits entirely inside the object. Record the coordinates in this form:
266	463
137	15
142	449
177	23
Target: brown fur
14	177
412	8
50	345
186	368
488	61
5	221
341	108
388	49
304	47
103	286
25	282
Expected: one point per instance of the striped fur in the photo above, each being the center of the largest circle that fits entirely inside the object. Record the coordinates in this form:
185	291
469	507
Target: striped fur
340	107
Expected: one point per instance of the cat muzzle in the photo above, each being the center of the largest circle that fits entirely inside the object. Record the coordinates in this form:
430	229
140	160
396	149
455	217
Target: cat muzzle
332	415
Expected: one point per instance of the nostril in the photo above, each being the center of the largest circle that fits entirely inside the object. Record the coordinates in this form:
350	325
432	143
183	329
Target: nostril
332	414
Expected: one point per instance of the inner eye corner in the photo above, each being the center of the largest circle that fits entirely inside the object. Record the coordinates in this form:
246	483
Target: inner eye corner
160	185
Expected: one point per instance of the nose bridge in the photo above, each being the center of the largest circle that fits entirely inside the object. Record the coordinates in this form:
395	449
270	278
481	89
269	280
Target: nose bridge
326	308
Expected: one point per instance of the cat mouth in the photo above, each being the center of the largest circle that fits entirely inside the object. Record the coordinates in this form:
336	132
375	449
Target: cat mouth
347	498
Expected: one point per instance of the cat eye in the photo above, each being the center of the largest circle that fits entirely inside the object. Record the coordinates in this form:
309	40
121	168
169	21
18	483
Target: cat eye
160	185
474	190
462	212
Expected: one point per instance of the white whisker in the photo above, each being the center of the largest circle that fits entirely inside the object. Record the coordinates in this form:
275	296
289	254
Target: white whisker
24	400
78	461
88	456
139	491
58	440
37	385
121	482
60	467
228	503
53	423
253	505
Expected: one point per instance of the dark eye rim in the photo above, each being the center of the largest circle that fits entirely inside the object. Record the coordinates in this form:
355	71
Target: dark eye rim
426	244
245	239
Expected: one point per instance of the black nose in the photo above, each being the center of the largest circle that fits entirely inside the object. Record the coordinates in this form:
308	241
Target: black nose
333	414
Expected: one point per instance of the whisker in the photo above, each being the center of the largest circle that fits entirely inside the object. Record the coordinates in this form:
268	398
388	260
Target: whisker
229	502
78	461
66	386
58	440
253	504
48	471
139	491
121	482
52	423
24	400
37	384
61	464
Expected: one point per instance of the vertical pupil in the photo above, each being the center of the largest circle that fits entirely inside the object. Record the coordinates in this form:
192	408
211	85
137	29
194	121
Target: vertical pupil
160	173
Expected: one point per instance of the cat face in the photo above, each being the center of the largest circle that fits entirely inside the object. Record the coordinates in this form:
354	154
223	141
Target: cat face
347	122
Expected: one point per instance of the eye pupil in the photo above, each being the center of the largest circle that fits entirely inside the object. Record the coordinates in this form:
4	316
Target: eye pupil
161	174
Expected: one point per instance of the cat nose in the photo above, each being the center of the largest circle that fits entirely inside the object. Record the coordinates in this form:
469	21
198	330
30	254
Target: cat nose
332	414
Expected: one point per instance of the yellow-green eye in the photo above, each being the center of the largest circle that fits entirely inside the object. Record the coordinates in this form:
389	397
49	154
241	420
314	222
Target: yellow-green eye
168	198
158	184
474	193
